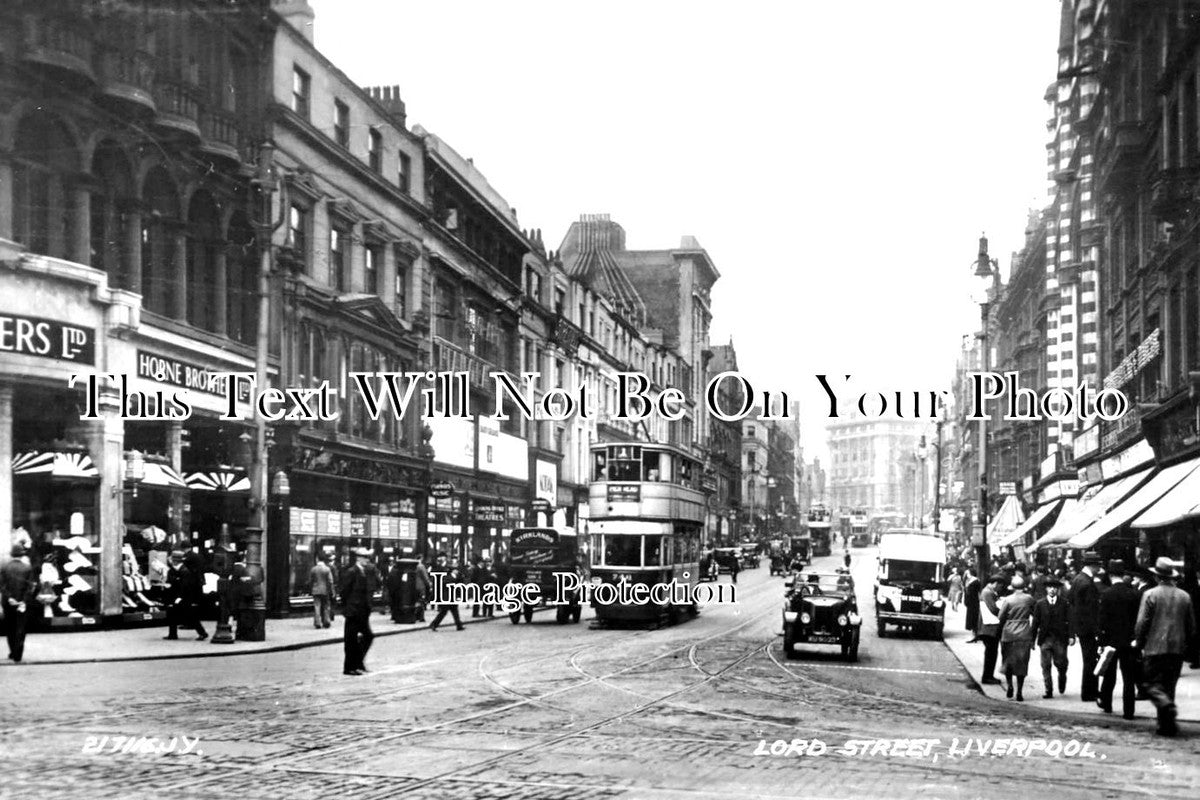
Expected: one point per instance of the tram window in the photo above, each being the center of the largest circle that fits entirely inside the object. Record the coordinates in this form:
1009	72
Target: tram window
597	549
624	470
650	467
685	472
600	467
654	545
622	551
657	467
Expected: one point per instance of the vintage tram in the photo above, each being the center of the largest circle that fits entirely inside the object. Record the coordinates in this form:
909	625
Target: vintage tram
820	531
646	516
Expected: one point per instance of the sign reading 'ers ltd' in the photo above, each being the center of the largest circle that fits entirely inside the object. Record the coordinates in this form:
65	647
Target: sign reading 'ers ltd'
47	338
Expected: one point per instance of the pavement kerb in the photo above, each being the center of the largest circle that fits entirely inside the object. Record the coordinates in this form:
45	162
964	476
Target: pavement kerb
1058	709
235	649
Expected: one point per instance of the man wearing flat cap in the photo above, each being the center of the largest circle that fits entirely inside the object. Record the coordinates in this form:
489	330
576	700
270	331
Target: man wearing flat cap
1118	616
357	588
17	590
1165	627
1085	622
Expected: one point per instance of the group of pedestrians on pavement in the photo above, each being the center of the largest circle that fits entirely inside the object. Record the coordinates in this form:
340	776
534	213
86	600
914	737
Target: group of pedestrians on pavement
1130	620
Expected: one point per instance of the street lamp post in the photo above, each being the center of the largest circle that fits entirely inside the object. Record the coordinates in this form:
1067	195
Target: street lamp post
937	491
987	272
922	454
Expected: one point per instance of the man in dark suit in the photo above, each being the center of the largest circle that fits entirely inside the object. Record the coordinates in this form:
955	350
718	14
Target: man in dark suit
971	588
17	592
1052	634
1118	616
1085	613
357	589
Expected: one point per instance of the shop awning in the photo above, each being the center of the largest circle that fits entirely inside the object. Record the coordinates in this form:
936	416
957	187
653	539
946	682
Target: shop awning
1028	525
1178	504
218	481
1135	504
1061	531
161	475
1005	521
55	464
1093	508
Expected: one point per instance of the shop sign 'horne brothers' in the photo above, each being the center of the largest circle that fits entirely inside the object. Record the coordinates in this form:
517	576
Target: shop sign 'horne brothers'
447	394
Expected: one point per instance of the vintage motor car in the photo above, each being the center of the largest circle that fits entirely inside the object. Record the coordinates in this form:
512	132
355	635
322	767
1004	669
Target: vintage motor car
726	557
749	554
821	608
908	591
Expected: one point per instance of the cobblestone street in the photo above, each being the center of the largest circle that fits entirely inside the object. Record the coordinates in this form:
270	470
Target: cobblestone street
547	711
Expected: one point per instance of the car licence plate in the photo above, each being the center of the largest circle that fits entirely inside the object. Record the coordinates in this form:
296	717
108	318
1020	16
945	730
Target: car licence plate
823	640
915	598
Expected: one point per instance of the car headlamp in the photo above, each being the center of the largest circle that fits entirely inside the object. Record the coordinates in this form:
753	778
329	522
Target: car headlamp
806	617
842	620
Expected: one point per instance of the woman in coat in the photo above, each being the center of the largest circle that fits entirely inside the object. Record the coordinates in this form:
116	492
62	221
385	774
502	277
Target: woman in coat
956	589
1016	635
971	588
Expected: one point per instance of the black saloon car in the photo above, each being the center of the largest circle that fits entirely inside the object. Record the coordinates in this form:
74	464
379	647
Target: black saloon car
820	608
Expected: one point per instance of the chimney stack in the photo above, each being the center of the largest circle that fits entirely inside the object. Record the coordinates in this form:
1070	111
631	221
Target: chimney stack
389	98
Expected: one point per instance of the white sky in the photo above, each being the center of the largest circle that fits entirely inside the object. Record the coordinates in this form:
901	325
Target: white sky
838	160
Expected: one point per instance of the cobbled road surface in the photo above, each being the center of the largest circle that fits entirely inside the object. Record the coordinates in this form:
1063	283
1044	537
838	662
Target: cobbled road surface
570	712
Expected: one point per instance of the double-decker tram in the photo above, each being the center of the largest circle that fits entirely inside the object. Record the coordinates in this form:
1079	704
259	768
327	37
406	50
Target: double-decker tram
646	513
820	530
859	522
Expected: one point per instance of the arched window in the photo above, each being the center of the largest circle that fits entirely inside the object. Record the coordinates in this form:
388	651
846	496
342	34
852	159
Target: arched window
160	223
203	241
44	214
111	201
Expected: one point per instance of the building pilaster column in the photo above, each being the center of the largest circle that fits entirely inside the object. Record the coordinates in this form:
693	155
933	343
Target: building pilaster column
6	203
179	299
6	479
107	444
220	297
80	246
131	270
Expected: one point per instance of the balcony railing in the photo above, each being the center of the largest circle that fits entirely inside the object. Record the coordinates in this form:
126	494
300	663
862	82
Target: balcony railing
1119	154
220	134
128	75
1172	191
178	108
58	42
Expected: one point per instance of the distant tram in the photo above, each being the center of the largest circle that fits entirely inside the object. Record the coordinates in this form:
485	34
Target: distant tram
820	530
646	514
859	528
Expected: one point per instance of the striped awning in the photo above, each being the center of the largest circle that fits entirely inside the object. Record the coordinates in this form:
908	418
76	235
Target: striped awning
161	475
218	481
54	464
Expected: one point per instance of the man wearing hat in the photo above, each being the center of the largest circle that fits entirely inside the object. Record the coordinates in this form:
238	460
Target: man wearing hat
17	590
1052	634
1085	622
357	589
1118	616
1165	627
988	631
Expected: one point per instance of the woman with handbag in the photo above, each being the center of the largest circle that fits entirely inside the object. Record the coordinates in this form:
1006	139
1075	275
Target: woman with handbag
1016	635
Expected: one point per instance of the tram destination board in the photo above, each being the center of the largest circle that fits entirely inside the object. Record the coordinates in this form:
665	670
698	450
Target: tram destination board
624	493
